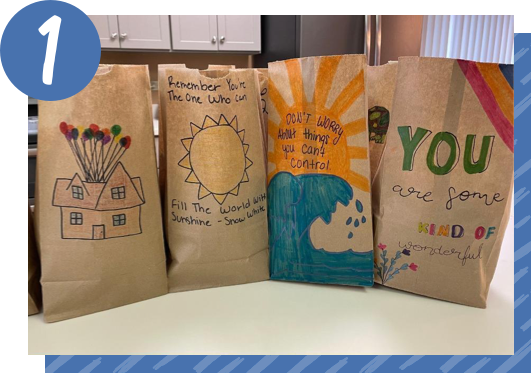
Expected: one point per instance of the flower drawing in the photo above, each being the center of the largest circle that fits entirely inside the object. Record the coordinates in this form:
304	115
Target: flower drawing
388	267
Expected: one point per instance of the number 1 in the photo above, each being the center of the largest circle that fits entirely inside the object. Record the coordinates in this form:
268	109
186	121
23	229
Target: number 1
51	27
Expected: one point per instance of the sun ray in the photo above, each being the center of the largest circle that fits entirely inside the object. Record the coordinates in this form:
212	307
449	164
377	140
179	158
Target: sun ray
356	127
203	192
220	198
187	142
245	177
235	191
192	178
185	162
358	181
195	128
295	81
245	148
234	123
241	134
276	98
223	120
272	129
248	163
209	122
349	94
323	82
357	152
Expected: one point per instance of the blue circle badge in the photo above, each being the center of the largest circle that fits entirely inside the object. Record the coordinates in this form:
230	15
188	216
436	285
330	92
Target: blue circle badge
50	50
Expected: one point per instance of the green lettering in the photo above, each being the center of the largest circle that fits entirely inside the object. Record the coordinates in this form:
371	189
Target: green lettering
482	164
433	153
410	144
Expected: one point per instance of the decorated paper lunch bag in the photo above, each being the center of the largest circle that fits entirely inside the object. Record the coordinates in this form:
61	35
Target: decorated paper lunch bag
98	211
34	272
215	197
320	224
443	189
381	81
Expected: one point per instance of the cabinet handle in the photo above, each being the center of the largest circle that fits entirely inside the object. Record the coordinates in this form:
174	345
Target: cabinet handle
123	36
222	39
214	39
114	35
32	153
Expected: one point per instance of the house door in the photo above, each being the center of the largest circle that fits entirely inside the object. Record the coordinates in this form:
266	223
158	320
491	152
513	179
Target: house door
98	232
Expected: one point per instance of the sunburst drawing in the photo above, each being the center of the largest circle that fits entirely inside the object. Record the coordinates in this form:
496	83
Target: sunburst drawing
316	97
216	157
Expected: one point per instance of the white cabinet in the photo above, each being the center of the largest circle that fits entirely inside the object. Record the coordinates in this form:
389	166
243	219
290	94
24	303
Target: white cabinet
107	27
239	33
133	32
216	33
194	33
144	32
183	33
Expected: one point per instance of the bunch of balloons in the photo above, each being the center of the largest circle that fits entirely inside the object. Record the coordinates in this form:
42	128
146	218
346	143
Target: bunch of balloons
96	150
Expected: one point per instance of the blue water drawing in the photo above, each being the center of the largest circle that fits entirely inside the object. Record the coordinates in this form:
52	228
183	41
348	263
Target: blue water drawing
295	202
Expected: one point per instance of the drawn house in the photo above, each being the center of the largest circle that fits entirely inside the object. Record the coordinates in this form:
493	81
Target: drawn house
100	210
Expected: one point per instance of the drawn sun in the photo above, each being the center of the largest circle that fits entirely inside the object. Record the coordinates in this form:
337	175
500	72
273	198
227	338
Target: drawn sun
347	158
216	157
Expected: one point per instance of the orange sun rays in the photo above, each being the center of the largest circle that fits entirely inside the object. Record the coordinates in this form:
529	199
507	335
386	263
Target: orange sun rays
340	154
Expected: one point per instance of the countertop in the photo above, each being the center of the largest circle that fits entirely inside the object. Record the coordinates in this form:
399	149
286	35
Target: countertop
292	318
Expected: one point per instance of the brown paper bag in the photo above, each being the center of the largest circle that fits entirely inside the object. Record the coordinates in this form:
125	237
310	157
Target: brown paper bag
34	271
98	212
215	216
319	191
381	82
444	183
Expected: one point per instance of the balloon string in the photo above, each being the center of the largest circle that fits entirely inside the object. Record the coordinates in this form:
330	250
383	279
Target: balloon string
107	155
110	160
118	156
80	157
111	165
74	152
87	163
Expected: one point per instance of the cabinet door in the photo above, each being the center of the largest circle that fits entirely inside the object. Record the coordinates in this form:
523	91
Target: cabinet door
144	32
107	27
198	33
239	33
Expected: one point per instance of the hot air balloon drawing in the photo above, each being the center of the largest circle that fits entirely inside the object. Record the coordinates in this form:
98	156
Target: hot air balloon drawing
101	201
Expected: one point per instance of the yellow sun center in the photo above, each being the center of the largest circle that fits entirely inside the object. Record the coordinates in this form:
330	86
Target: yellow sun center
222	174
216	157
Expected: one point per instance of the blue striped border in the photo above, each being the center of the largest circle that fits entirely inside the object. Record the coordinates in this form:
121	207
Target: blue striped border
519	362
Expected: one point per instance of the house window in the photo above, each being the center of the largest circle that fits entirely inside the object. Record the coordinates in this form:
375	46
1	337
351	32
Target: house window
76	218
118	192
77	192
118	220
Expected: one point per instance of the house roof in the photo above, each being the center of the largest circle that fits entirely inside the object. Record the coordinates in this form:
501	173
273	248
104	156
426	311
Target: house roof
98	196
